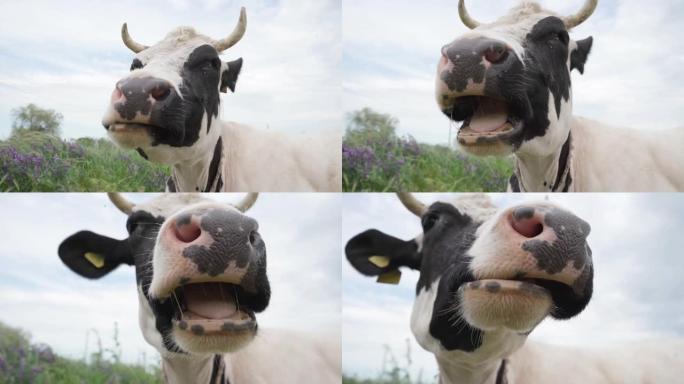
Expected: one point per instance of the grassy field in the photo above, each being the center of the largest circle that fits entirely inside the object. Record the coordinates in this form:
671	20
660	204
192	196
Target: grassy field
376	160
23	362
38	162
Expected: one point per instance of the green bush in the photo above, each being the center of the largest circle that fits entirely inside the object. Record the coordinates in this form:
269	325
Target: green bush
37	161
376	160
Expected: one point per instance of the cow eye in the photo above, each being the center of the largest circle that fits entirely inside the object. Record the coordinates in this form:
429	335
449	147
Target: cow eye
563	36
429	220
216	63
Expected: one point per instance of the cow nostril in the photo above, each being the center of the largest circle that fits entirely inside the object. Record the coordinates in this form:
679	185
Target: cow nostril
495	54
160	93
187	232
526	224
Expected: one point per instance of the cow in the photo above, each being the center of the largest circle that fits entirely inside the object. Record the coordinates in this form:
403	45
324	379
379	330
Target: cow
167	108
201	278
509	84
488	277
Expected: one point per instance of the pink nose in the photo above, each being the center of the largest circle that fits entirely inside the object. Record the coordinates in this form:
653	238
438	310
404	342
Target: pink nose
187	231
117	95
526	222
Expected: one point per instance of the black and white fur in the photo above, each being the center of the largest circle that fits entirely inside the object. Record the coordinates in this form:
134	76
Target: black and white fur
227	250
168	109
488	277
554	150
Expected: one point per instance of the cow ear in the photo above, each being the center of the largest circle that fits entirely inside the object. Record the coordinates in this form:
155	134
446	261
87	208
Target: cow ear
230	74
579	55
374	253
92	255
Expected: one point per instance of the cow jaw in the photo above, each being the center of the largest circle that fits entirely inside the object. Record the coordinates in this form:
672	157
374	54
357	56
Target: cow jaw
504	304
210	318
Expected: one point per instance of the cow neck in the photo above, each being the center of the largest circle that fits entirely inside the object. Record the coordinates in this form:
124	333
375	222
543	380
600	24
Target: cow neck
204	175
529	174
184	369
492	373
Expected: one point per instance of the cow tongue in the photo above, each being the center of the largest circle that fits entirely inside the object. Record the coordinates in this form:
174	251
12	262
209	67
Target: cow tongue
207	300
489	116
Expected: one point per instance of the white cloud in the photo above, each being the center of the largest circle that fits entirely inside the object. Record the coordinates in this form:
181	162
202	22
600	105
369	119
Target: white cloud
631	77
40	295
290	80
637	294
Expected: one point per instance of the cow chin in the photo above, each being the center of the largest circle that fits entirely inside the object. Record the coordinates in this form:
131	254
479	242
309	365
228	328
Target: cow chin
504	304
130	136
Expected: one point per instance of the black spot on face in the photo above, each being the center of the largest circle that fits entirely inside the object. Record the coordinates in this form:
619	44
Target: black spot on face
445	244
136	64
493	286
197	329
523	213
570	245
230	231
143	228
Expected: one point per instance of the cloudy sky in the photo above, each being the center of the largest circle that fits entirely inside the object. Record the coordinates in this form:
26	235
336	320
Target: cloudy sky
58	307
67	55
637	246
632	78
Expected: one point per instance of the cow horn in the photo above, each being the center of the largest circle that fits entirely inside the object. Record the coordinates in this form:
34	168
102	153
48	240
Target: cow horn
412	204
236	35
583	14
465	17
124	205
130	43
247	202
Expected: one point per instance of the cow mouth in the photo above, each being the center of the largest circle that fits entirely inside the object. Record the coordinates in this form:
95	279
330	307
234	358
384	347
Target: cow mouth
122	127
213	308
562	295
486	120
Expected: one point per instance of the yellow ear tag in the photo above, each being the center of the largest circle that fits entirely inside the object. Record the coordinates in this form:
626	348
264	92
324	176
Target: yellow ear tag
379	261
391	277
95	259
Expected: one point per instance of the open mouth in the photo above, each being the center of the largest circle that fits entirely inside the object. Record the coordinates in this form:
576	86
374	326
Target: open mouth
212	308
485	120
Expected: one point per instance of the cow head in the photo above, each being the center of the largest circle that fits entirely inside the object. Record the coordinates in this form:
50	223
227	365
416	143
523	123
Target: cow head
509	81
166	106
200	270
487	276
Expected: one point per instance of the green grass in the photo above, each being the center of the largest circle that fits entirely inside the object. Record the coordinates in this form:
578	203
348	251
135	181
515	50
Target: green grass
375	159
433	168
33	161
22	362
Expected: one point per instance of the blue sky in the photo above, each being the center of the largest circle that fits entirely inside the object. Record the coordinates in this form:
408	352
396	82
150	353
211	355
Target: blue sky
67	55
636	242
58	307
632	78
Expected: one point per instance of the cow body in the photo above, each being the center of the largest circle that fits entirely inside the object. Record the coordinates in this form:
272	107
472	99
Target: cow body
283	162
488	277
168	109
509	83
201	280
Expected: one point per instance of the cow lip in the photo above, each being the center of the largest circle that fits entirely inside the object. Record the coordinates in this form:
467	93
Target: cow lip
556	289
120	127
235	318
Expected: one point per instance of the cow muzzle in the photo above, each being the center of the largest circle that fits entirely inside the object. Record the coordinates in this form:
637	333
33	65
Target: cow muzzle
211	262
138	107
470	73
535	262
